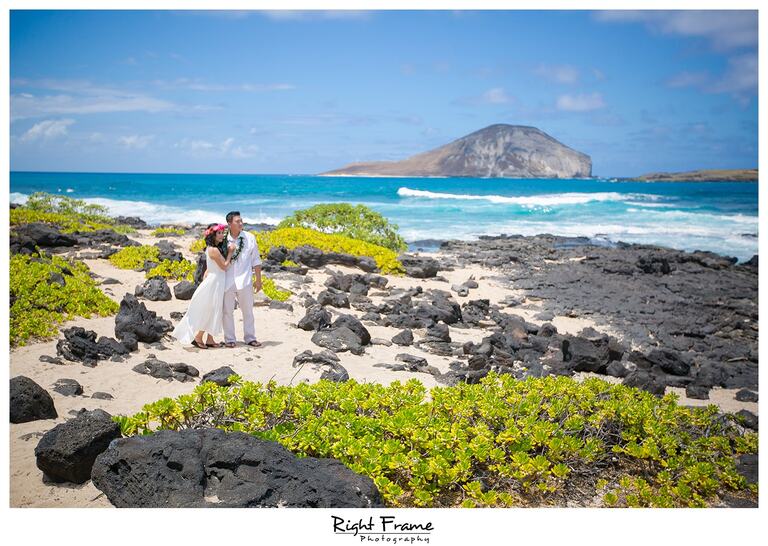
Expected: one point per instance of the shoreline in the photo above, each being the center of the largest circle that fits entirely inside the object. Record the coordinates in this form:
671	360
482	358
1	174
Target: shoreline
511	272
282	342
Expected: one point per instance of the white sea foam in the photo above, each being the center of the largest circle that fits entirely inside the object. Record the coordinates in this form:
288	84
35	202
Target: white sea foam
705	218
650	205
544	200
721	237
19	198
166	214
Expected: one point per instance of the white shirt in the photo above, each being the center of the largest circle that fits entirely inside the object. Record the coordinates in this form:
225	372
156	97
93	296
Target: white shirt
240	271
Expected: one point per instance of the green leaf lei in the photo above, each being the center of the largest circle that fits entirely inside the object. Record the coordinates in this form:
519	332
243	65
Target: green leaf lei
239	249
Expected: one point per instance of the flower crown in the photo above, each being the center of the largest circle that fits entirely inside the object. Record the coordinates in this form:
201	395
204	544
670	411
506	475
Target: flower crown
213	229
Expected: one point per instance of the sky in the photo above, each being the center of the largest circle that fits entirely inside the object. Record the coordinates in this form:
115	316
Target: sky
306	92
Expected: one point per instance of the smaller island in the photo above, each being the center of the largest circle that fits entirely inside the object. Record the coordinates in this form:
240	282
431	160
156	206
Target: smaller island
703	175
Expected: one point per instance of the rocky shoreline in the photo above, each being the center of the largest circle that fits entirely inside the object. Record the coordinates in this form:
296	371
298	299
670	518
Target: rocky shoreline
653	318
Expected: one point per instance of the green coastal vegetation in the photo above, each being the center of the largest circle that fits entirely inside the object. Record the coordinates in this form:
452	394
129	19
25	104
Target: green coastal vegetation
134	257
160	232
354	221
499	443
48	290
292	237
68	214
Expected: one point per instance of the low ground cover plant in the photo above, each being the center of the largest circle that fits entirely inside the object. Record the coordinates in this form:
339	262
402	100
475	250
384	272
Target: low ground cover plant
501	442
48	290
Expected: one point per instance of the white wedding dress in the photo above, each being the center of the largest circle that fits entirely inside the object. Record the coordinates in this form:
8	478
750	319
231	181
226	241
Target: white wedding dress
206	306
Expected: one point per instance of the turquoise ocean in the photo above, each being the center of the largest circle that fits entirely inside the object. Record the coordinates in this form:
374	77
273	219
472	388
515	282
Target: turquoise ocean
720	217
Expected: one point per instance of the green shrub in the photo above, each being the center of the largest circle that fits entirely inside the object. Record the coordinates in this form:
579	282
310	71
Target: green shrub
61	204
67	213
289	263
355	221
290	238
39	305
159	232
179	270
272	291
197	246
501	442
133	257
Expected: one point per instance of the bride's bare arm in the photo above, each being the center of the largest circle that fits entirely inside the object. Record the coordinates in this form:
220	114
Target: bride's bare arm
218	258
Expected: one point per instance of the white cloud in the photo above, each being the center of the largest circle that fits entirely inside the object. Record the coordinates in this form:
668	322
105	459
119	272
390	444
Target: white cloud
225	148
78	97
197	85
740	79
565	74
249	150
581	102
497	95
723	29
135	142
48	129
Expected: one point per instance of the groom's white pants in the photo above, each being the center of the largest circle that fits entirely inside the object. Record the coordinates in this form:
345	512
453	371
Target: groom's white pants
244	298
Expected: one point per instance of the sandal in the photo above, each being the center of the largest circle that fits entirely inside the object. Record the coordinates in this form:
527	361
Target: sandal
254	343
199	345
215	345
230	345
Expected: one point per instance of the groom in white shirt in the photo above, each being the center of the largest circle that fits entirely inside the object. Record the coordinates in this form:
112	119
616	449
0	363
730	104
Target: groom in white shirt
242	277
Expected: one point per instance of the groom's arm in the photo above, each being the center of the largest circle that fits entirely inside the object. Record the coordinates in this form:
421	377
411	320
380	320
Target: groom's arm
256	266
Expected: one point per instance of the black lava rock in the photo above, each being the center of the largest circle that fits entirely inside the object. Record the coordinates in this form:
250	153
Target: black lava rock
334	371
333	297
355	325
338	340
419	267
669	361
316	318
154	289
68	387
698	392
210	467
646	381
746	395
163	370
80	345
29	401
66	453
404	338
44	235
220	376
184	290
135	320
748	419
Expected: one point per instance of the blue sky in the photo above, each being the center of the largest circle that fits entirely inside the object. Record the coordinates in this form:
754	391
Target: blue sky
305	92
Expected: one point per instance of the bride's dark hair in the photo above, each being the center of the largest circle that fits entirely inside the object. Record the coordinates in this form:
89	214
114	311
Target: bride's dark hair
210	239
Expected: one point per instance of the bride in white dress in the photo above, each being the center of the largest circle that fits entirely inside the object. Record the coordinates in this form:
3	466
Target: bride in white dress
206	306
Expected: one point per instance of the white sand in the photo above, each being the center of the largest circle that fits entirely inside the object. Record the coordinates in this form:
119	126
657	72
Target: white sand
282	340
